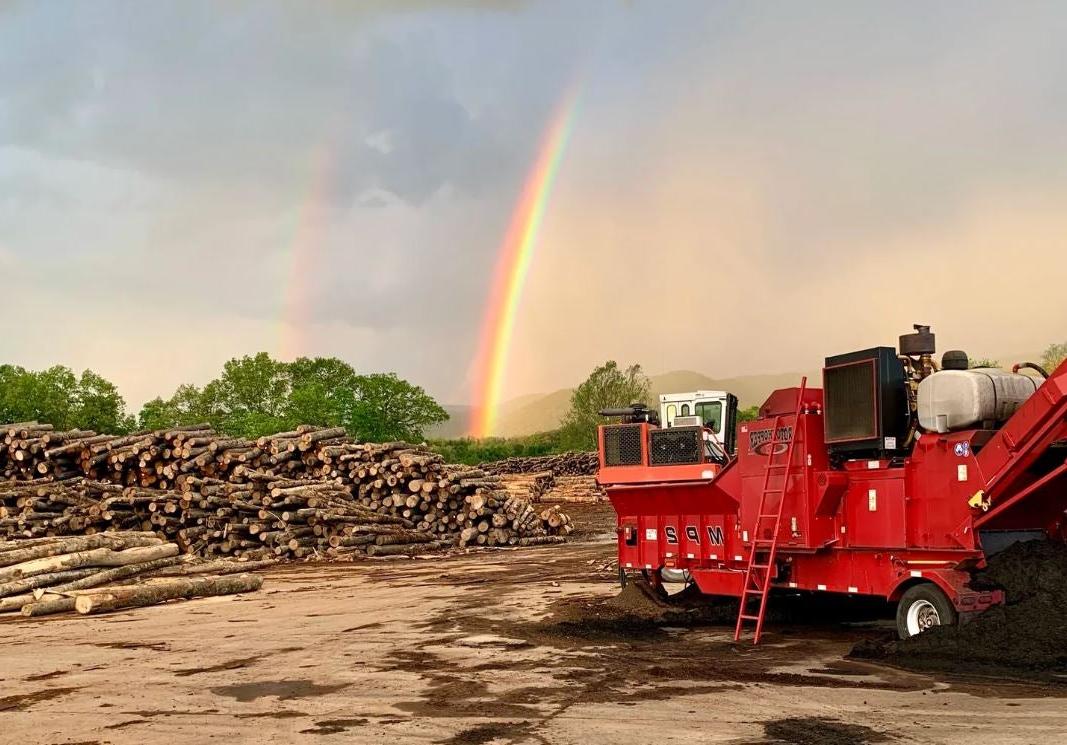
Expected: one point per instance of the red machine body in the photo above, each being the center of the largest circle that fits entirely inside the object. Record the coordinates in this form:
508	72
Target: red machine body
855	526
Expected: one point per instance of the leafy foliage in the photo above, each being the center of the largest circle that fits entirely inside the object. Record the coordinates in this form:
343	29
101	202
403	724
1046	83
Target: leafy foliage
1054	356
607	386
58	397
473	452
258	395
750	414
974	364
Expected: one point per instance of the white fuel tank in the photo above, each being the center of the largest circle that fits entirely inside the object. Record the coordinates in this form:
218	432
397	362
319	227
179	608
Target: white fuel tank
952	400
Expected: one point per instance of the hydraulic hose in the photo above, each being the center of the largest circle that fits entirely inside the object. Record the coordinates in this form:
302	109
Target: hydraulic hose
1031	366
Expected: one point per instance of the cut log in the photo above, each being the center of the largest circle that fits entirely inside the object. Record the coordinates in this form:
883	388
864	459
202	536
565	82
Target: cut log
99	557
115	541
139	596
107	576
20	586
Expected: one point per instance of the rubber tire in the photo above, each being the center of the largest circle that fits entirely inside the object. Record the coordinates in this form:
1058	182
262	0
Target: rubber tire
928	592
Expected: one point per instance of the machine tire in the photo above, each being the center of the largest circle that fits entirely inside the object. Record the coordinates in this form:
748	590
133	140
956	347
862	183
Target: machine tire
922	607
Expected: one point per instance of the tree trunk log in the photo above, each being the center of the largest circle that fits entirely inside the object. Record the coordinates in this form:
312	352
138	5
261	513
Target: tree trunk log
152	594
115	541
99	557
108	576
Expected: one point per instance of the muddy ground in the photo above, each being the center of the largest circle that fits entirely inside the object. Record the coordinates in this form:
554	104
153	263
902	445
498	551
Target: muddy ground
491	647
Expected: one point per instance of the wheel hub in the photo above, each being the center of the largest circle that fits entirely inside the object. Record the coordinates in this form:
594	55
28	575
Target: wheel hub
922	615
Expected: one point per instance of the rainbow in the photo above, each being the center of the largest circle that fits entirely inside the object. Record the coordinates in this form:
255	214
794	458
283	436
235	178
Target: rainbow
307	237
513	266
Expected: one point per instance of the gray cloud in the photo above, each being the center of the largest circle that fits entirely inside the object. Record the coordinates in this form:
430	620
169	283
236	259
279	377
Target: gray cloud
190	175
197	93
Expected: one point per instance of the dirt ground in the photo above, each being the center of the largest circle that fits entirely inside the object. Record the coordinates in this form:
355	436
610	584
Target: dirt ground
475	649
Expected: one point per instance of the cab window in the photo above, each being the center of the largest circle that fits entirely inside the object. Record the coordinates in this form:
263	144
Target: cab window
685	409
672	411
710	412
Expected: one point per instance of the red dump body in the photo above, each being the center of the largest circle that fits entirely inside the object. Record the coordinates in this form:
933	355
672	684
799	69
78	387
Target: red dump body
868	527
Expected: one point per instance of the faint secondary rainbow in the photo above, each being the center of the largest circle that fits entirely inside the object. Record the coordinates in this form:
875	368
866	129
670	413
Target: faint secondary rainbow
513	266
308	234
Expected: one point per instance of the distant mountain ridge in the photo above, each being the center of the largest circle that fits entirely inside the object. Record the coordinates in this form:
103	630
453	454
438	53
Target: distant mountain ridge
541	412
533	413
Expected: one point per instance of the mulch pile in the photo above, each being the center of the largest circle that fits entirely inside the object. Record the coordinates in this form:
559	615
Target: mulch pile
1026	637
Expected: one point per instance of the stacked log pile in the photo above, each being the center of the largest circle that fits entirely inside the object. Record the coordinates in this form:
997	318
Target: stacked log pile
575	489
309	493
109	571
562	464
571	477
531	486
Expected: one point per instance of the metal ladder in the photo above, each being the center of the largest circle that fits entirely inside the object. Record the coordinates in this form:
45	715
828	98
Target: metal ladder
759	572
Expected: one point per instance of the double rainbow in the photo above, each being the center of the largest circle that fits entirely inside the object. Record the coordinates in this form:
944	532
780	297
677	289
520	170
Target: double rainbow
513	266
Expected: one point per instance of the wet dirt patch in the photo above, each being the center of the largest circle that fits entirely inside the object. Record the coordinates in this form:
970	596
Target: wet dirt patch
24	701
819	731
333	726
283	690
283	714
148	714
228	665
154	646
46	676
629	649
363	627
484	733
128	723
843	668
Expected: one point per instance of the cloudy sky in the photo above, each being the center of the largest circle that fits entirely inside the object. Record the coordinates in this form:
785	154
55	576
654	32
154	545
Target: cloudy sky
748	187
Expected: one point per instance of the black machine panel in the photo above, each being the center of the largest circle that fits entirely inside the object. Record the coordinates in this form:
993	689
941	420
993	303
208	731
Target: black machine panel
676	446
866	403
622	445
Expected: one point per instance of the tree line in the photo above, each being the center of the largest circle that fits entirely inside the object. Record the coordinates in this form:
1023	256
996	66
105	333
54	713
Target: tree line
258	395
253	396
611	386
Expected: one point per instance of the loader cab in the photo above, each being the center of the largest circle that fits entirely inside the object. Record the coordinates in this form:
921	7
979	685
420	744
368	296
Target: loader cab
717	410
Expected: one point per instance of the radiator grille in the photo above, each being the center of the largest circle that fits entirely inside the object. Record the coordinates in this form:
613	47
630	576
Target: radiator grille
851	406
675	446
622	445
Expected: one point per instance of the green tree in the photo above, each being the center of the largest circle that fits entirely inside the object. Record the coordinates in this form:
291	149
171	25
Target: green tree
10	403
250	398
388	408
974	364
1054	356
56	396
98	406
474	451
186	406
258	395
750	414
322	391
607	386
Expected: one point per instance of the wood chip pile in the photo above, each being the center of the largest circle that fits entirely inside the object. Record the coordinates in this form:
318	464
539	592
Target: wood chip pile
309	493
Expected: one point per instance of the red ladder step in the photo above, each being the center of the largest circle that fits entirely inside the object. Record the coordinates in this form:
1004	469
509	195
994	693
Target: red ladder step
758	577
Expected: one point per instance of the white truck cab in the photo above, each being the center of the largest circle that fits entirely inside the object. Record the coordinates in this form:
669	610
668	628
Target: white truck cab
715	410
